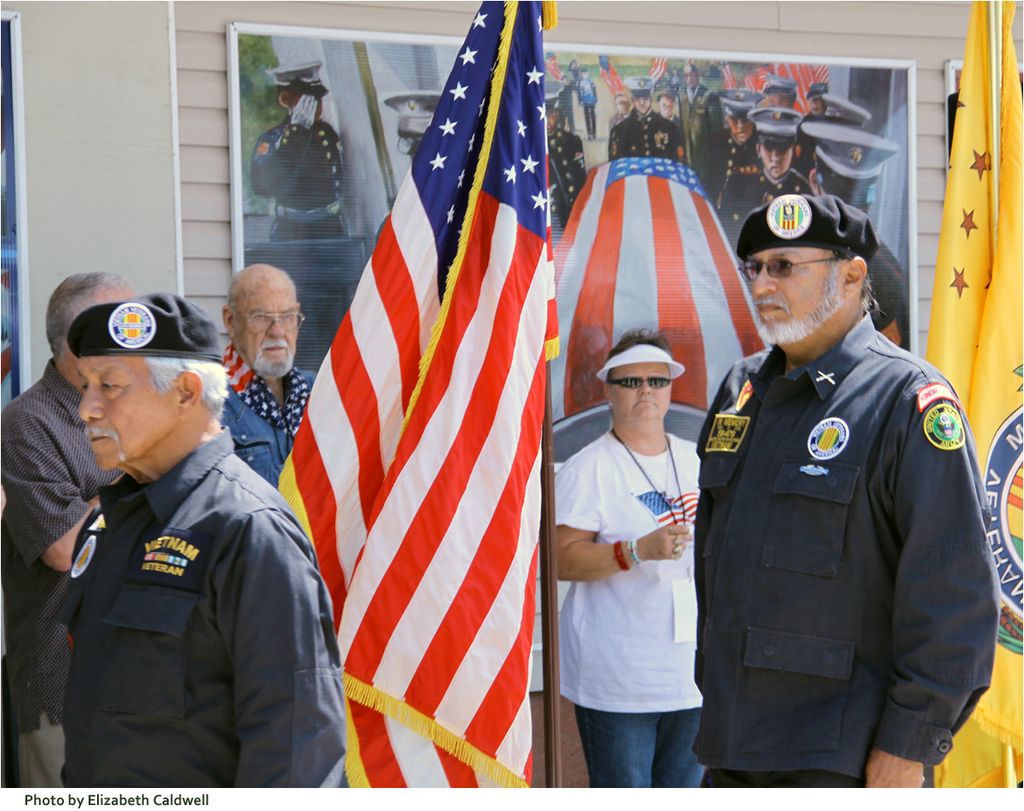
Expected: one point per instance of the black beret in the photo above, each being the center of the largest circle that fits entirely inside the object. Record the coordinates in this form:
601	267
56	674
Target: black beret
802	220
160	325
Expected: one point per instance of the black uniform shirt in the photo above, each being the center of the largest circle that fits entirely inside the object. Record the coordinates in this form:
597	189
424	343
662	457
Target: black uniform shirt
203	645
846	594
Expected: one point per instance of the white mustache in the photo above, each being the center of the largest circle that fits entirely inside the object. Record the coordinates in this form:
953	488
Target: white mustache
95	433
274	344
772	301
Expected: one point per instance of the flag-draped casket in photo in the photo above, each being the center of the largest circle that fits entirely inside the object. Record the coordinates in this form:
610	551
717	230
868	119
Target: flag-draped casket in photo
416	469
643	247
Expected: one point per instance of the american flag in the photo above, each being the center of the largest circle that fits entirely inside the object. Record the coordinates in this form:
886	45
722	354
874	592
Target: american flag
417	467
728	80
803	75
610	76
680	509
658	67
643	247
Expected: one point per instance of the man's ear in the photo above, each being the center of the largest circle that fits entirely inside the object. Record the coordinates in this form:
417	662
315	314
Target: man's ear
228	317
189	387
855	273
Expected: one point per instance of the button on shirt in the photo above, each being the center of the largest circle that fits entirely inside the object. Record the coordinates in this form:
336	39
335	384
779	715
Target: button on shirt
846	596
204	651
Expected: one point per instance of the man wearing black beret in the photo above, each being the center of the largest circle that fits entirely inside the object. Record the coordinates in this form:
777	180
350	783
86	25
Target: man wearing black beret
847	600
202	645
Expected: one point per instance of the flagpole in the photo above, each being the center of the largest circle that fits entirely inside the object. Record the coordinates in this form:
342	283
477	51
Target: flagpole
549	602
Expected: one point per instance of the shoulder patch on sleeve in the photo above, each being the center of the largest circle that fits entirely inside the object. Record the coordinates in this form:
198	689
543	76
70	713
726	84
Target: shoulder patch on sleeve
944	427
932	392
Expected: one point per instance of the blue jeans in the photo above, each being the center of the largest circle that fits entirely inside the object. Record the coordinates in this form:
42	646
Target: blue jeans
640	749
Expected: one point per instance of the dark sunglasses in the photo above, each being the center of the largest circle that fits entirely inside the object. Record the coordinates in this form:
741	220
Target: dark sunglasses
637	382
779	268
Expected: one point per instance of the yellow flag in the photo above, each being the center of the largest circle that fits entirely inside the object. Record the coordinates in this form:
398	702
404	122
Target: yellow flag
987	751
964	263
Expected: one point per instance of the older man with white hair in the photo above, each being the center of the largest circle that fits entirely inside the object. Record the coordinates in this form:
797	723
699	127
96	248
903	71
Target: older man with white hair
268	394
203	651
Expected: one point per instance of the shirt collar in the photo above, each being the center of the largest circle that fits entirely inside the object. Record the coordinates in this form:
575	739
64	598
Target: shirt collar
824	373
167	492
62	391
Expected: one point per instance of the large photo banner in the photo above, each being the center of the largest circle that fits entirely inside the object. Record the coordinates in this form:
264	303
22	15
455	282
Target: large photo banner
655	159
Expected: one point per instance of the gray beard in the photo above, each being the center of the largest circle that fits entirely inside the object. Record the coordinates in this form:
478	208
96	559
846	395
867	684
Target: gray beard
266	368
791	331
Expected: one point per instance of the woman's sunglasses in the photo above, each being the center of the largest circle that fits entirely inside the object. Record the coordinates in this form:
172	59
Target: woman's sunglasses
637	382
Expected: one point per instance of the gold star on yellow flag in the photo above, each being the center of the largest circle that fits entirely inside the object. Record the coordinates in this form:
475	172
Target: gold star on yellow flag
975	339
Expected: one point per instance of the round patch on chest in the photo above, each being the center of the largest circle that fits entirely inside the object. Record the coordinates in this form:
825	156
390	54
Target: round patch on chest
828	438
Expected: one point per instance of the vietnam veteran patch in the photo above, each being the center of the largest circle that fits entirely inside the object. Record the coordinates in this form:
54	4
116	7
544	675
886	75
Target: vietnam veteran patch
727	432
174	558
944	427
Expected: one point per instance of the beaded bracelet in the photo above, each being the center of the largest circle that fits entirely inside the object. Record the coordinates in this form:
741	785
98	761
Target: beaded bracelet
619	557
633	554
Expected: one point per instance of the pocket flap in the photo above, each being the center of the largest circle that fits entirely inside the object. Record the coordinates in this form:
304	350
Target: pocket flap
799	653
150	609
827	481
716	470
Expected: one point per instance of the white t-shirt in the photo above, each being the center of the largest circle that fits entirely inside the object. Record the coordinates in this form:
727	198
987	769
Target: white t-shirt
617	636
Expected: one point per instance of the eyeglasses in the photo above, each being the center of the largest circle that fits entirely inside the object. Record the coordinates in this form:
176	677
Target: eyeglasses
777	268
637	382
261	322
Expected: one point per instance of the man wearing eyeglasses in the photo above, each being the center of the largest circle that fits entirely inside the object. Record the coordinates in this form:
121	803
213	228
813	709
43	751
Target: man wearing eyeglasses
268	395
847	599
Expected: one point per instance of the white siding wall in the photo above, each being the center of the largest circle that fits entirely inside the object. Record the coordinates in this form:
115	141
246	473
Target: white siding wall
100	180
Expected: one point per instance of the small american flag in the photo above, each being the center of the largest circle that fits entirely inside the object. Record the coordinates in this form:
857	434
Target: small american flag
677	510
417	467
610	76
658	67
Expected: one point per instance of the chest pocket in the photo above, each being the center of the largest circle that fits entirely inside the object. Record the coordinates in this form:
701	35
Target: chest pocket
716	472
146	673
808	517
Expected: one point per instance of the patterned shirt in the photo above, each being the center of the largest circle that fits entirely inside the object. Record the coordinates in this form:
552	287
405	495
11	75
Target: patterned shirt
49	474
260	399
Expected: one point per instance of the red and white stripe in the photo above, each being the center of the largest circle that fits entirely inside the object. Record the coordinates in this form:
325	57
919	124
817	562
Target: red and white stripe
443	560
684	510
239	373
658	67
647	252
728	80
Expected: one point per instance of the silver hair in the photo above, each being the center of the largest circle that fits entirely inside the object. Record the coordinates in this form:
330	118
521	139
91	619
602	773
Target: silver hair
72	296
165	371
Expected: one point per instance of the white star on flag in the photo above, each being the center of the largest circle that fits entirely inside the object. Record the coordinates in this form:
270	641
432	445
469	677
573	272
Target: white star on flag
541	111
459	91
534	75
451	214
468	56
538	199
528	163
510	174
522	128
479	21
438	161
448	127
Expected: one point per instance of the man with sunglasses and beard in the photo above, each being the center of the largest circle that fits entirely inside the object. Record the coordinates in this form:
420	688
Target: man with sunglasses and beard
847	599
268	395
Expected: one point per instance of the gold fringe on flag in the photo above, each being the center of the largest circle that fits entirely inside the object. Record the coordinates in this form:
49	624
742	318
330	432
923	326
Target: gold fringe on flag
549	14
425	727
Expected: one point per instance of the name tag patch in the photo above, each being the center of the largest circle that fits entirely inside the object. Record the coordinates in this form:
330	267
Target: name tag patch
932	392
727	432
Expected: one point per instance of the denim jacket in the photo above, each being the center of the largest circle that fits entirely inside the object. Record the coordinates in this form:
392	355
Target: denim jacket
264	447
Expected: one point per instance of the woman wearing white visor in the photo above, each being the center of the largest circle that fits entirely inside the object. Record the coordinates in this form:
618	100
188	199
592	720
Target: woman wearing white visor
624	511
